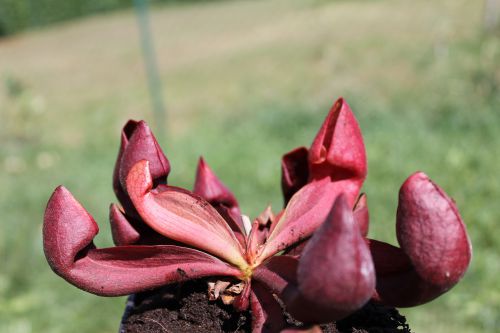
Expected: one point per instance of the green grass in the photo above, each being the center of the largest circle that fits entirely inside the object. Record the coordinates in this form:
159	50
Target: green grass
246	82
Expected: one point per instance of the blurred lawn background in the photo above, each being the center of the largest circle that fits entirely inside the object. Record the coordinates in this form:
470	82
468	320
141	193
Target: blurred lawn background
245	82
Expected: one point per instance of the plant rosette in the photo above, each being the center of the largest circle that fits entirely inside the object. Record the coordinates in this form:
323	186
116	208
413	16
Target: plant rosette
313	257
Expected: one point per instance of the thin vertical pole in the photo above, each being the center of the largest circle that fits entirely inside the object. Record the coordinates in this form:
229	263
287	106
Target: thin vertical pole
491	15
33	10
148	52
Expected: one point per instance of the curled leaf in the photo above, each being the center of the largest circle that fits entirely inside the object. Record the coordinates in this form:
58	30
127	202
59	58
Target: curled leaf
433	237
431	231
138	143
68	233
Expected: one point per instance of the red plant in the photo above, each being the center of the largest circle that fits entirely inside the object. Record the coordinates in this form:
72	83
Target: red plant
313	255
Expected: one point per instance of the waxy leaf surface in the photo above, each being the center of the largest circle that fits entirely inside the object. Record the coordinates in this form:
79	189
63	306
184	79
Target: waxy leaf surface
278	273
337	251
431	232
182	216
294	172
361	214
337	164
435	249
68	245
137	143
305	212
208	186
267	315
338	150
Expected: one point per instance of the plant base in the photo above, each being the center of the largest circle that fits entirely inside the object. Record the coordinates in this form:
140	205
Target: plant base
185	308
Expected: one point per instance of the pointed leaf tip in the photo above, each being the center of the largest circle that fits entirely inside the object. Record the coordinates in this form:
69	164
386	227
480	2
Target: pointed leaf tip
335	272
210	187
336	164
338	150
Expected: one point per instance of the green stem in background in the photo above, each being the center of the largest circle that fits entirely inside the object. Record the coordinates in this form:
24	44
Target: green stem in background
154	81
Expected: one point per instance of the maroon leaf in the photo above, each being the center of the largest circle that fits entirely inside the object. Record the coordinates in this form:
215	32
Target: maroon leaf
67	229
398	284
259	233
361	215
267	315
209	187
294	172
181	215
142	145
433	236
277	273
120	192
296	249
388	259
123	233
129	269
305	212
68	232
338	150
397	281
138	143
235	223
431	232
242	301
335	272
128	230
337	164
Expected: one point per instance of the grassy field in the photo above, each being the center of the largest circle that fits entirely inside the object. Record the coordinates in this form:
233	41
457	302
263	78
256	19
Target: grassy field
244	83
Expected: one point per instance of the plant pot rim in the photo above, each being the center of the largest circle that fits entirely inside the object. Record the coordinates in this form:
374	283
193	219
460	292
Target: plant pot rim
129	305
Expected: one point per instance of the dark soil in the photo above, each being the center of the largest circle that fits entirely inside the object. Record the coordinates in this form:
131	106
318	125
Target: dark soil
185	308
